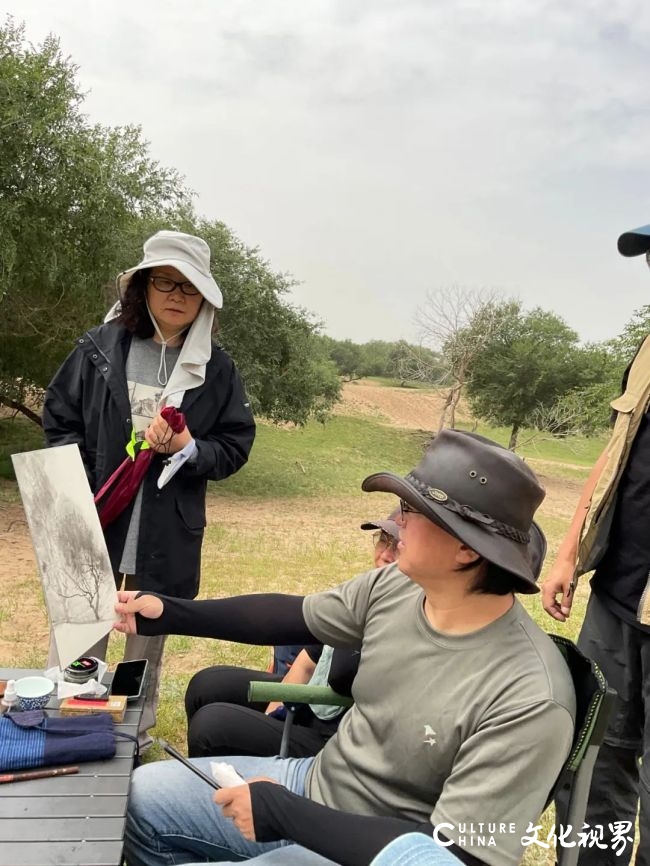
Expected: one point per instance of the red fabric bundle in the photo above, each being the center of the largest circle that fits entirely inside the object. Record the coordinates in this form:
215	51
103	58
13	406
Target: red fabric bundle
121	487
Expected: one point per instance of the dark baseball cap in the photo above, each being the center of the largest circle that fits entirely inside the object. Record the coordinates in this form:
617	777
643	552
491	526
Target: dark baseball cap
635	242
388	525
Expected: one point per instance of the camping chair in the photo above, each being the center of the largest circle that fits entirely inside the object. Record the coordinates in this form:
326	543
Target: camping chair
293	696
594	702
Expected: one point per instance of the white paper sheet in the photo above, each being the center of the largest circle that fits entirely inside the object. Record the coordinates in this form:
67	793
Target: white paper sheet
71	553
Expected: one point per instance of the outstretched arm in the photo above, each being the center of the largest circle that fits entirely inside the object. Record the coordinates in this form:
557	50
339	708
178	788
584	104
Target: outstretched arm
263	618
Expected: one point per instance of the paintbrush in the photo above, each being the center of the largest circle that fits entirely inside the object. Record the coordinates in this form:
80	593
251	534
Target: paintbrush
45	773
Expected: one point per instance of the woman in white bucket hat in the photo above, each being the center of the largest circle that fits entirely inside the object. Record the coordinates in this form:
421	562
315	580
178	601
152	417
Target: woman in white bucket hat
155	350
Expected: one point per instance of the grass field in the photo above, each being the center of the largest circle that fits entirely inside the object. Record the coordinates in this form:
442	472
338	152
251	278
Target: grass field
287	522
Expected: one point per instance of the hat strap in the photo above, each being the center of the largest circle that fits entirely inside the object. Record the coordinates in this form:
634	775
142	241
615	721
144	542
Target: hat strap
467	512
163	376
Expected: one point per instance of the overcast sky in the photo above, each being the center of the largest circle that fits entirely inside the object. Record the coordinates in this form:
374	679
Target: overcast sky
377	149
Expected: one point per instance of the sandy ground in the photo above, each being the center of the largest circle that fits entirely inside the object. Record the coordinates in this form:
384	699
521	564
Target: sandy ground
401	407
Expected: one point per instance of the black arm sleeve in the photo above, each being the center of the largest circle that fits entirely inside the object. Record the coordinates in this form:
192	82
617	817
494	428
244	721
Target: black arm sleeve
263	618
315	651
344	667
351	840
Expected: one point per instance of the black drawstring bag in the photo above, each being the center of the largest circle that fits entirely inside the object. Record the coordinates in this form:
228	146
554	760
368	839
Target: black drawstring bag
32	739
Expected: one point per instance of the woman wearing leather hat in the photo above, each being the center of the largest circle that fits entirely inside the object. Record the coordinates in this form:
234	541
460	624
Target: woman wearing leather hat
484	496
155	350
463	707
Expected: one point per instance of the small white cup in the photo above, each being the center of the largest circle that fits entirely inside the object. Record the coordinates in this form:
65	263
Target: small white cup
33	693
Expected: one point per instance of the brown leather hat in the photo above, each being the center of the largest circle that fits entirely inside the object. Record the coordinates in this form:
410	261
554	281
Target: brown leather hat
481	493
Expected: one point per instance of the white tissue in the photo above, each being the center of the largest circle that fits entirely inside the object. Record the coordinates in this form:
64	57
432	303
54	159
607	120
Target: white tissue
70	690
225	774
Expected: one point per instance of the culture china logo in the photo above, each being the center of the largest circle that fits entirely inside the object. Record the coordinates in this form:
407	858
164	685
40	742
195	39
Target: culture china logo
615	836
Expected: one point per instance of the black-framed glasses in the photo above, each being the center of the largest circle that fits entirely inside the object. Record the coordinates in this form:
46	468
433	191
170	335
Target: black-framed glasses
405	508
383	539
167	285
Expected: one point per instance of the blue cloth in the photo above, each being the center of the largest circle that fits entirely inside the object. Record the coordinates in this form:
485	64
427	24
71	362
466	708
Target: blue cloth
164	828
415	849
284	657
31	739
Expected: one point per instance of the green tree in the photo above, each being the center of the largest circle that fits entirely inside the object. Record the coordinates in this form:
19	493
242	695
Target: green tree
455	323
76	203
399	360
624	347
276	345
376	358
532	359
410	363
69	190
585	409
347	356
590	404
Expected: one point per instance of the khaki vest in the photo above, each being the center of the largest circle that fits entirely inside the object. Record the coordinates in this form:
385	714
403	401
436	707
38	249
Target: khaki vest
630	407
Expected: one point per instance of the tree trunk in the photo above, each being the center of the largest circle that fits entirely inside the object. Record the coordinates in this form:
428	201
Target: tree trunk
451	401
513	436
455	398
443	414
13	404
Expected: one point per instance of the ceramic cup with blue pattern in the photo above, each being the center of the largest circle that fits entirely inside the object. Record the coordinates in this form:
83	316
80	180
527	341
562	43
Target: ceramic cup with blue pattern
33	693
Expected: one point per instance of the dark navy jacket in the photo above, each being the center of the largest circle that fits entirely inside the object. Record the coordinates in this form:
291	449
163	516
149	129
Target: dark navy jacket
87	403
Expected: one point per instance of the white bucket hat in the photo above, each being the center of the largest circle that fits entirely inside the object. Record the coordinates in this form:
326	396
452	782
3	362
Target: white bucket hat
188	254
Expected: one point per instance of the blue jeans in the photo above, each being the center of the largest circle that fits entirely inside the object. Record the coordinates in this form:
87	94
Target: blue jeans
172	819
415	849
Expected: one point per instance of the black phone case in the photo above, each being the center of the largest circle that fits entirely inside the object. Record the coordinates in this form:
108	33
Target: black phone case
143	681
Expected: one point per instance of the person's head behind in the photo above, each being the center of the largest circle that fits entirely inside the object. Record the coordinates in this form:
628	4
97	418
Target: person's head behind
467	509
385	537
171	283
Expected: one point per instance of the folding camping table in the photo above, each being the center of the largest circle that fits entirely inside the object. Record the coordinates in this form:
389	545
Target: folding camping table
75	820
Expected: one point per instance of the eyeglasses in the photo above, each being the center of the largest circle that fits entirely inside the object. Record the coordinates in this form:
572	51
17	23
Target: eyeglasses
405	508
383	539
167	285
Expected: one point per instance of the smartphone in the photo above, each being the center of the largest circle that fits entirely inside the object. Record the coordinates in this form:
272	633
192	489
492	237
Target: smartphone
190	766
129	679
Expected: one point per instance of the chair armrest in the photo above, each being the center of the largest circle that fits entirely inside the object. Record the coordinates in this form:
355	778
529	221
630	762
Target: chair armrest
296	693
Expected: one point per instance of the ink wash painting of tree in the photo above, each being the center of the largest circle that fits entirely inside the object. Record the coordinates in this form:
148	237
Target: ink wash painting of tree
71	553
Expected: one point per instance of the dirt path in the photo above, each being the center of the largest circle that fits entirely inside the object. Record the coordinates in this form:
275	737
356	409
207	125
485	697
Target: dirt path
408	408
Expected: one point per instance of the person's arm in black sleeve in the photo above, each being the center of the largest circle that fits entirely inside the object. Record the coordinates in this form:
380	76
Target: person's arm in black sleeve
225	449
343	670
347	839
263	618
